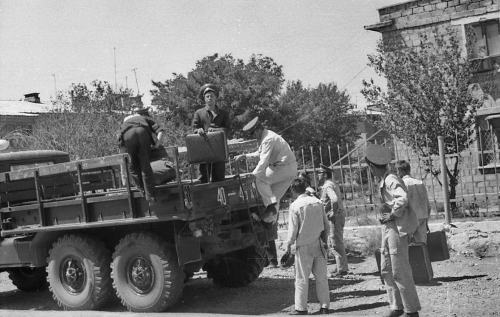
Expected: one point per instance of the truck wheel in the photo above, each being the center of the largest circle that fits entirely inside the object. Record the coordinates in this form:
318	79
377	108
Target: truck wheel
29	279
237	269
145	272
79	272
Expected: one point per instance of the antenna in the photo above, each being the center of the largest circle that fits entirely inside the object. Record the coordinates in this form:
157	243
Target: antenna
55	85
138	93
114	50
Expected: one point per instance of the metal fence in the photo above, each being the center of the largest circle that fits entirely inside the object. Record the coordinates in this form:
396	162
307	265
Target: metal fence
476	191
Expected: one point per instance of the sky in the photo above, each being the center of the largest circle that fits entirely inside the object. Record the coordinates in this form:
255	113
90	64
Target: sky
46	45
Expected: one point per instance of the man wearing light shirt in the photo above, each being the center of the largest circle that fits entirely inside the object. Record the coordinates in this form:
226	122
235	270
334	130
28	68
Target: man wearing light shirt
398	225
331	197
307	220
418	200
275	170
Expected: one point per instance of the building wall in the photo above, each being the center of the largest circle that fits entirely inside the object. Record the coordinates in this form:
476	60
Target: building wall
403	23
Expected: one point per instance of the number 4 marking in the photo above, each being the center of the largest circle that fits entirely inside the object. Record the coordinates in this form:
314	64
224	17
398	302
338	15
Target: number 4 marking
221	196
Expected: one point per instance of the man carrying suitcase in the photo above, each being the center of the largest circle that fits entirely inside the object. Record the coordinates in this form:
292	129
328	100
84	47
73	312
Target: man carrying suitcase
418	200
398	224
209	119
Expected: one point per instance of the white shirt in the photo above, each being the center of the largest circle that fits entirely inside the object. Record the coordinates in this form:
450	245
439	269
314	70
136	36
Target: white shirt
306	220
418	201
273	150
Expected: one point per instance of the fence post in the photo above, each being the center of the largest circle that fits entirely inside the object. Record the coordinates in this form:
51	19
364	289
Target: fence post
444	180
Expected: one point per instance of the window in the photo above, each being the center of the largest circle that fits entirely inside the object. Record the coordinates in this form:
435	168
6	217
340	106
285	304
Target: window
486	49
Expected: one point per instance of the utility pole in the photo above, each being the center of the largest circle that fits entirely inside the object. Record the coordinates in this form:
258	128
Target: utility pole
138	93
55	86
126	82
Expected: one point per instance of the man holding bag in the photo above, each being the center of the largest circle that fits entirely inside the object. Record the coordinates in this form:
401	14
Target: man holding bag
335	212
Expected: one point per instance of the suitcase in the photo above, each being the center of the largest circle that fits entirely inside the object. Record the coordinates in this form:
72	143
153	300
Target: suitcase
437	246
420	263
207	149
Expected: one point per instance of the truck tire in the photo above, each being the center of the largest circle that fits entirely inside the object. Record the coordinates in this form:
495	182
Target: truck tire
29	279
237	269
79	272
145	272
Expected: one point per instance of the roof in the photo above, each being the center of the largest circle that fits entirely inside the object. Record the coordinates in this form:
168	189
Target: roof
22	108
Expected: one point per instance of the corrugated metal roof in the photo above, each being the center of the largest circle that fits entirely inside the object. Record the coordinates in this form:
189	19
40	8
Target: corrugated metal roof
22	108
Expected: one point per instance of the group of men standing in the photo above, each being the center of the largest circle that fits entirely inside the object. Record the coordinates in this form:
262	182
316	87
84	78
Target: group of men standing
312	219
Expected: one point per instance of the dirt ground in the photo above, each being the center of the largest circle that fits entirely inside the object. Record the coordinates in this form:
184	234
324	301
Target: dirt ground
462	286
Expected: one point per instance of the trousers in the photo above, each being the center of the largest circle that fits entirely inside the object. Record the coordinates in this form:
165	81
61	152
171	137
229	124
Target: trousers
138	145
396	270
274	184
337	236
421	234
310	258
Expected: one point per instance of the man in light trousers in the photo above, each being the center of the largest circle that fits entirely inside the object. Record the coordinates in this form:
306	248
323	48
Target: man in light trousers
398	225
307	220
275	170
331	197
276	167
418	200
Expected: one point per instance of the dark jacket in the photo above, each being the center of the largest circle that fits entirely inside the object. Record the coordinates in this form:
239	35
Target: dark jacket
204	119
143	122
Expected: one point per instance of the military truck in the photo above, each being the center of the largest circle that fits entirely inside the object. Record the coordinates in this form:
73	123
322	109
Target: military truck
71	227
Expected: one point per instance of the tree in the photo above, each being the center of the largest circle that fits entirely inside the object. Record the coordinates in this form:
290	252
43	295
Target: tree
84	121
247	90
430	93
316	117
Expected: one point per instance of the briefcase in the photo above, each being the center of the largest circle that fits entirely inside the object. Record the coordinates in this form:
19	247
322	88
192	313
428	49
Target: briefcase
420	263
212	147
437	246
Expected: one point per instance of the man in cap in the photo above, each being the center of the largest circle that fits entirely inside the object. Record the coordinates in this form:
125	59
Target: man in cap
306	222
331	196
275	170
418	200
138	134
209	119
309	190
276	167
398	225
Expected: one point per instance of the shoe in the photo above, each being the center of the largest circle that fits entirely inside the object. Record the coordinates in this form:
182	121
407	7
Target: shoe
338	273
415	314
270	214
298	312
323	311
395	313
273	265
152	201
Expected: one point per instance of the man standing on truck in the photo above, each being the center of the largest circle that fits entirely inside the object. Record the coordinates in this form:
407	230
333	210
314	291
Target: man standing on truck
274	172
138	134
211	118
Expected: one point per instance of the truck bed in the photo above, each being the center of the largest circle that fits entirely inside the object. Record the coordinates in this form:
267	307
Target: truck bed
85	194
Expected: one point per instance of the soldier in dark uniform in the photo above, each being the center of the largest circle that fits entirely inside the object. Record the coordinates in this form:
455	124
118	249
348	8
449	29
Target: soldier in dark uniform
209	119
138	134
